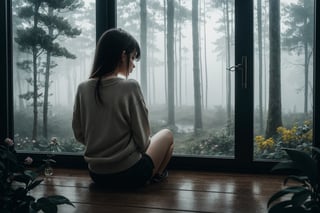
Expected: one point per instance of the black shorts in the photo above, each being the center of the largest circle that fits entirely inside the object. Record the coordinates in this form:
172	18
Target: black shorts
136	176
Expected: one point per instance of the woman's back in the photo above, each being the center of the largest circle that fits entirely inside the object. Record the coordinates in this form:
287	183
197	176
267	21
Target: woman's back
115	129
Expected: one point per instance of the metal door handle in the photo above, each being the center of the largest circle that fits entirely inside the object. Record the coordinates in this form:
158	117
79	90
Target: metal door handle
244	63
234	67
244	71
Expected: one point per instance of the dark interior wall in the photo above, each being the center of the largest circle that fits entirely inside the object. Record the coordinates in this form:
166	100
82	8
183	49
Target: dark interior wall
316	77
6	104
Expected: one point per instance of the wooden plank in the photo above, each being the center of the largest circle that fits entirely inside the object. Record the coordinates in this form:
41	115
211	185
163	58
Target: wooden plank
92	208
183	191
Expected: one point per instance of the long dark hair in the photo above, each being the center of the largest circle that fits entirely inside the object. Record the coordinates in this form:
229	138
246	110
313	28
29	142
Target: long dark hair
108	54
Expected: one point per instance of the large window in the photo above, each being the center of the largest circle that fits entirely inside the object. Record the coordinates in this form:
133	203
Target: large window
234	80
283	76
53	48
187	47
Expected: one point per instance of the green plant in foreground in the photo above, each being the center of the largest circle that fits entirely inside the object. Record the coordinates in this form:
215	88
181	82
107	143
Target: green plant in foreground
16	182
305	194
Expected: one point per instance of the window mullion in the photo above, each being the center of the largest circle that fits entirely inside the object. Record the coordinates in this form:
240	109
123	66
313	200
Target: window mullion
244	95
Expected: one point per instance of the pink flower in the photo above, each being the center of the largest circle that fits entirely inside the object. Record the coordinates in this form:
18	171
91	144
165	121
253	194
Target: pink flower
54	141
9	141
28	160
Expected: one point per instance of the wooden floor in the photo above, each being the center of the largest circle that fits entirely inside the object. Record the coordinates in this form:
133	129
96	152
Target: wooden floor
183	191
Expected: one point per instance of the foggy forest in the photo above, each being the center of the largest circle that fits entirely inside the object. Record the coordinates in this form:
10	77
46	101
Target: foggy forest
187	49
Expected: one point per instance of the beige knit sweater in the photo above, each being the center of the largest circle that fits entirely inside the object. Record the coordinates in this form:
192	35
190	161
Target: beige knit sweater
116	133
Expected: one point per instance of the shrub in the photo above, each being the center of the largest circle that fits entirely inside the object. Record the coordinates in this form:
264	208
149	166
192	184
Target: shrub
298	137
16	182
305	193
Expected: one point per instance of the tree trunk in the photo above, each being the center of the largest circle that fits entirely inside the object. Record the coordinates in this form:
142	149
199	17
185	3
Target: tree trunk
153	85
47	83
200	55
165	50
274	110
265	65
228	77
180	55
46	97
143	42
35	95
196	68
35	78
176	77
259	23
21	103
306	67
306	78
170	60
205	95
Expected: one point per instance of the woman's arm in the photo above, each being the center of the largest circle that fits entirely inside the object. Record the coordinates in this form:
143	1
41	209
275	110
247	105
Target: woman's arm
139	120
76	120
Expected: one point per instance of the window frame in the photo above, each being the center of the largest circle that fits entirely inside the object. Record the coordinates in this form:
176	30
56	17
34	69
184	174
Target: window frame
6	89
105	19
316	74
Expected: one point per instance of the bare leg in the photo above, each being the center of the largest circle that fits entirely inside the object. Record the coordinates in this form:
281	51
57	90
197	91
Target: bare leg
160	150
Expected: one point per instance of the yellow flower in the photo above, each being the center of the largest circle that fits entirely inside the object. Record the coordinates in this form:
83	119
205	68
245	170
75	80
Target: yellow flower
289	135
308	123
265	144
259	138
269	143
280	129
261	145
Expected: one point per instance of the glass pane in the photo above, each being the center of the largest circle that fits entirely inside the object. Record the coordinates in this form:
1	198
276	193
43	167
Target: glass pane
283	77
52	52
185	83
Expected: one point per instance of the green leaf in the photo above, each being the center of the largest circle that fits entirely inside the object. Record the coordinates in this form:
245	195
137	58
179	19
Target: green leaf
312	204
287	165
41	168
22	207
317	150
33	175
35	207
34	184
28	199
59	199
281	207
46	205
11	157
22	178
289	190
301	179
20	192
305	164
298	199
48	161
286	207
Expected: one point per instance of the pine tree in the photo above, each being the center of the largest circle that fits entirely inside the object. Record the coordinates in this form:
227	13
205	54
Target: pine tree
57	26
32	39
298	38
37	37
